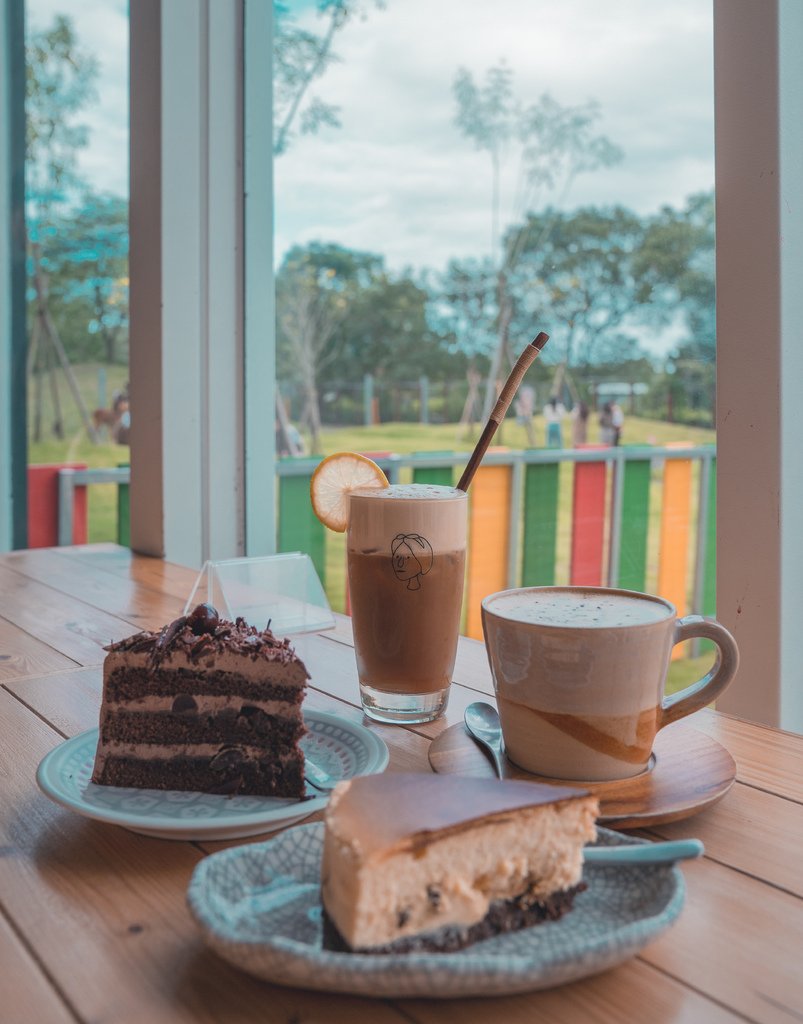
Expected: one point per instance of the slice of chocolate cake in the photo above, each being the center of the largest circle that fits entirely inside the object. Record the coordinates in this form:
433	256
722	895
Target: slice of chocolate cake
206	705
436	862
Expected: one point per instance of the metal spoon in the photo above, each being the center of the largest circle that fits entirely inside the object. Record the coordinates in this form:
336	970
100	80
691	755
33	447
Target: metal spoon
318	777
482	722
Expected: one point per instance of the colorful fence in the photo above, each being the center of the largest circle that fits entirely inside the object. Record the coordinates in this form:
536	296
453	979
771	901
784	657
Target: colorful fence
641	518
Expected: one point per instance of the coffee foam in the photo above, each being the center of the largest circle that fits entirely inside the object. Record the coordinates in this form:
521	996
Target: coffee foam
378	515
577	609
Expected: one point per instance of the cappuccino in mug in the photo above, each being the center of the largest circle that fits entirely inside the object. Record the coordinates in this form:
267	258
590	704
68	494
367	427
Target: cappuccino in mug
579	675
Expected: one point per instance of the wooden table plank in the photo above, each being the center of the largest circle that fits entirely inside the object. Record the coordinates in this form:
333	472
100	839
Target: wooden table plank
771	852
71	627
23	655
634	993
769	759
145	609
26	995
739	941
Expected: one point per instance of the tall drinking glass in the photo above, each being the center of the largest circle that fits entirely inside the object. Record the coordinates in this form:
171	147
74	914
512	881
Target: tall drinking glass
406	561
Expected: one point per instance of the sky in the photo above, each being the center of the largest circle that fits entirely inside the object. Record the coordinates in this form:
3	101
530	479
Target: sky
397	177
400	179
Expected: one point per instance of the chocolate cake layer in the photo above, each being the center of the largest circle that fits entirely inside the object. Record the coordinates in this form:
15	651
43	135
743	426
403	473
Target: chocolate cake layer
226	773
230	726
128	683
503	916
203	704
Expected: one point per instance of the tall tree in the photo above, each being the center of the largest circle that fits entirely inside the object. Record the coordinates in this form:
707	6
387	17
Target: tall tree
301	56
315	286
550	143
579	269
60	80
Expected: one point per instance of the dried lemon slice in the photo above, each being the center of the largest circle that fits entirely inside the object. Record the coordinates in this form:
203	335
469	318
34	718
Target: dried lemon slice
332	481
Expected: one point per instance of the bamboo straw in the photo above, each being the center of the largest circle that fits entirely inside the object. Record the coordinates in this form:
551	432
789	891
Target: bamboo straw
528	356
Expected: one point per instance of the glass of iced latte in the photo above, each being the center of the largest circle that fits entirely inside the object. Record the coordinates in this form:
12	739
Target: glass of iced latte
406	559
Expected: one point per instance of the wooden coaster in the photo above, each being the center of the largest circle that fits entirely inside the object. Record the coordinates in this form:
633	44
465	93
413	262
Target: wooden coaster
689	772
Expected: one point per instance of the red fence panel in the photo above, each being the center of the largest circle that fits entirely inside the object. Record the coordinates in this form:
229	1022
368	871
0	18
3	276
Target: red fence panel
43	506
588	524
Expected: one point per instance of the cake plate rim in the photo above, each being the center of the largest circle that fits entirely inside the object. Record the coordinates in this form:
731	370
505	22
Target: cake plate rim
244	920
63	776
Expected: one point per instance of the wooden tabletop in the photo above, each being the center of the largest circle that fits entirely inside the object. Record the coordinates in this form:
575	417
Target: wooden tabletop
93	921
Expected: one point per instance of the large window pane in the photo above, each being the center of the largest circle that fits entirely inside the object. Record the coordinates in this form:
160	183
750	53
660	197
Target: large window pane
77	224
449	184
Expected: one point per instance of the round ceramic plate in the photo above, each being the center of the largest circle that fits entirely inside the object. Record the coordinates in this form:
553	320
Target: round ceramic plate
259	907
343	749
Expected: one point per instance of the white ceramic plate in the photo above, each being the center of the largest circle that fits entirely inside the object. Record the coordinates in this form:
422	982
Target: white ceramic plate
344	749
259	908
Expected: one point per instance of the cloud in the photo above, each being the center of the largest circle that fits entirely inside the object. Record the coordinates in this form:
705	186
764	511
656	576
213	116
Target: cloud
398	178
102	29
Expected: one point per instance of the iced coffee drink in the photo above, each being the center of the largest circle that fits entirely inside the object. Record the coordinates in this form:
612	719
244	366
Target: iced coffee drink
406	561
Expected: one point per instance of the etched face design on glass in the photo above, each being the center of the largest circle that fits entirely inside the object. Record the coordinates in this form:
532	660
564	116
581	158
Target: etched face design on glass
412	557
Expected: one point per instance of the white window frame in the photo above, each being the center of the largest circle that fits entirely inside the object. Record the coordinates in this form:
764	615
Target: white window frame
202	322
759	183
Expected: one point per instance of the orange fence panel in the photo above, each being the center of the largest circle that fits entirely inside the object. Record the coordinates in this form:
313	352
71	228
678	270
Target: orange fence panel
488	540
673	559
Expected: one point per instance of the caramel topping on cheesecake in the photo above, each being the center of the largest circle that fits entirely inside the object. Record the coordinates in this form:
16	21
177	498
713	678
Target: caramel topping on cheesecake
386	813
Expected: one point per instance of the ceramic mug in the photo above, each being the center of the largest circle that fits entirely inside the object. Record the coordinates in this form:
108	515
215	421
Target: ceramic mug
580	672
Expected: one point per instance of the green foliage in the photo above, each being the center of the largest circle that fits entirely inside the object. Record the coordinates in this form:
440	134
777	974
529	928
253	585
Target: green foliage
59	82
300	57
84	255
341	314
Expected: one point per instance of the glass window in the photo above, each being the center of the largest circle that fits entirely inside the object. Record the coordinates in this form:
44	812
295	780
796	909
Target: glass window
446	187
77	225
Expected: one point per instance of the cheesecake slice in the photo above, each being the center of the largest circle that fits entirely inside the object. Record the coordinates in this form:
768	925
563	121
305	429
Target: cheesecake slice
436	862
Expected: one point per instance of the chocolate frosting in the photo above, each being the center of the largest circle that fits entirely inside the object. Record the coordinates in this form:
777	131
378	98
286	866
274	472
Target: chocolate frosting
382	813
226	637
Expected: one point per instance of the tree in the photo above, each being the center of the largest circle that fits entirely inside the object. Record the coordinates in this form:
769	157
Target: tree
676	261
301	56
468	290
578	270
314	290
59	82
553	144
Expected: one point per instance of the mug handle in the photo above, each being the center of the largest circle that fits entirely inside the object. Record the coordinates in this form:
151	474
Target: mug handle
698	694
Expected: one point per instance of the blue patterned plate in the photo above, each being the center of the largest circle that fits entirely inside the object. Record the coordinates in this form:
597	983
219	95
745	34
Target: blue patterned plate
258	907
344	749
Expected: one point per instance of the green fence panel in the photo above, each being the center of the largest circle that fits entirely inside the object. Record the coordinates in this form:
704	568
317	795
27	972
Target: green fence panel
299	527
123	511
540	525
632	569
441	475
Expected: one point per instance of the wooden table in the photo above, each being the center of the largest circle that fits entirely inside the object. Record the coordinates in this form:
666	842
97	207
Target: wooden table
93	922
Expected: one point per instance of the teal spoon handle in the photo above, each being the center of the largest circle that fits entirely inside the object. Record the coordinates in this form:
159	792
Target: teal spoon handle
652	853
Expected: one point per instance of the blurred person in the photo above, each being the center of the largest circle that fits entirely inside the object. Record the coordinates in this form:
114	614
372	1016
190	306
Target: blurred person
617	421
553	417
606	430
525	410
579	424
